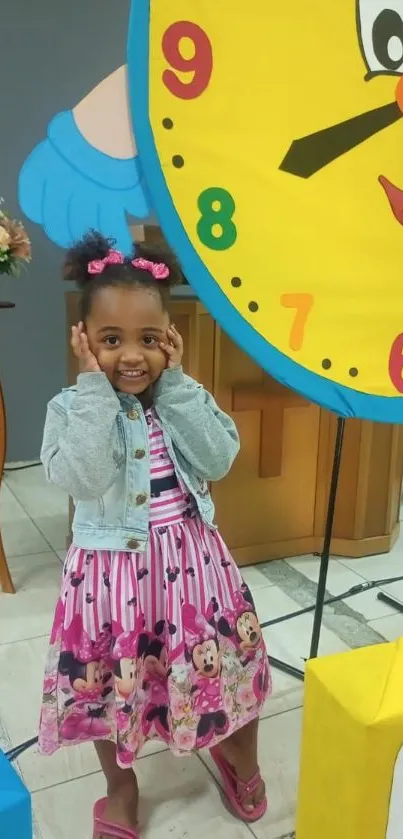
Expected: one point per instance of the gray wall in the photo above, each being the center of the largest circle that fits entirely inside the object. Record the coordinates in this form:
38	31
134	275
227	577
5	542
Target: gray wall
52	52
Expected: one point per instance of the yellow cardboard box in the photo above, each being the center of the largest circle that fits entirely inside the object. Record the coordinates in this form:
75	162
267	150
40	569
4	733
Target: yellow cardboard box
351	781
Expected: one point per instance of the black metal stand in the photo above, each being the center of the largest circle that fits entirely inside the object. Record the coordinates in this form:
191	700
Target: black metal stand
324	561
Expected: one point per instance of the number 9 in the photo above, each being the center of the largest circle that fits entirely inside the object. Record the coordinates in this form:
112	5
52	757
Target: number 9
396	363
201	63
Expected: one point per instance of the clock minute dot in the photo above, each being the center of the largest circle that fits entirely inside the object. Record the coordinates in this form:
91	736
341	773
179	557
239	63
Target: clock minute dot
353	372
326	363
178	161
167	123
253	306
236	282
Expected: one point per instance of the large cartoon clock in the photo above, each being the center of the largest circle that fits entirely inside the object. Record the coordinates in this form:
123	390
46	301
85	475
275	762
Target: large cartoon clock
272	143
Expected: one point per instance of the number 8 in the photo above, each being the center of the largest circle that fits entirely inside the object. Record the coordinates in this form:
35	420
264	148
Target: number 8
220	216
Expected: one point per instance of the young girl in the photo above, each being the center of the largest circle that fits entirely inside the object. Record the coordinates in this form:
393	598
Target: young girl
155	635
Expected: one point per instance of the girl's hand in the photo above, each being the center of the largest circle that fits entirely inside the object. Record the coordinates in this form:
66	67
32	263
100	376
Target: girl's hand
81	350
173	350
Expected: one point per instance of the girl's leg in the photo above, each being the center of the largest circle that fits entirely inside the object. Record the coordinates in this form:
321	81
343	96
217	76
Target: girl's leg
241	752
122	789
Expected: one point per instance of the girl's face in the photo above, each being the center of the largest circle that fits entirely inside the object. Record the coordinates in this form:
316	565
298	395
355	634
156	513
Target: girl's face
125	328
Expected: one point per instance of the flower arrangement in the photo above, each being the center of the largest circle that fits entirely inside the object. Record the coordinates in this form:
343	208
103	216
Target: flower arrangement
15	246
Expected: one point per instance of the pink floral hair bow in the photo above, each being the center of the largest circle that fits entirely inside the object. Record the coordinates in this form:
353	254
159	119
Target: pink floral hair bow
159	270
97	266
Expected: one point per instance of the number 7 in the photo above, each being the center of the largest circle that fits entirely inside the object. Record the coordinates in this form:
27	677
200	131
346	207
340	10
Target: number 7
303	304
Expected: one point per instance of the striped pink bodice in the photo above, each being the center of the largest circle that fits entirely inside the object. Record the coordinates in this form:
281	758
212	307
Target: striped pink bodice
170	503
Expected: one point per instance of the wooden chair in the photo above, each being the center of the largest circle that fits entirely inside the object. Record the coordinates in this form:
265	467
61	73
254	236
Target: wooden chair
6	582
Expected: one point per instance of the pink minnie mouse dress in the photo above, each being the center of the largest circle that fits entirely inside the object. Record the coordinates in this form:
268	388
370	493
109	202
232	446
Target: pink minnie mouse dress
160	645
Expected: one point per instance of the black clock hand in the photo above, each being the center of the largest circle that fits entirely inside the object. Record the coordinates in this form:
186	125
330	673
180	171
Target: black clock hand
309	154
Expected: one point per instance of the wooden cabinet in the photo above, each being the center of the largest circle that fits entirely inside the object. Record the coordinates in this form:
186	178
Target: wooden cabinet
273	503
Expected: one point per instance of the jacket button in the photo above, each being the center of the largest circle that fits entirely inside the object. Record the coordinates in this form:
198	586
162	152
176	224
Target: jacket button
139	454
133	544
133	414
141	499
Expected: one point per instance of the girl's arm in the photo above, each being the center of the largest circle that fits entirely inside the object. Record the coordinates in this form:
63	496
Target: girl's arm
206	437
80	449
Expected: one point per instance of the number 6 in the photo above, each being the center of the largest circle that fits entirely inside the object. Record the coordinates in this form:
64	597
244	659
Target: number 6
396	363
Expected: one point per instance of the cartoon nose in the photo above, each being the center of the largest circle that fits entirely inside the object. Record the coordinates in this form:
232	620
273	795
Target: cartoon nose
399	93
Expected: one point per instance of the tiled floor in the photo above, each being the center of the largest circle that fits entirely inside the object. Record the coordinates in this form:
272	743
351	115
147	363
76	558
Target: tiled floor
179	798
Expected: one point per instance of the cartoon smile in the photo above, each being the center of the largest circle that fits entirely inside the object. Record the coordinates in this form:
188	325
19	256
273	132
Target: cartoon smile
395	196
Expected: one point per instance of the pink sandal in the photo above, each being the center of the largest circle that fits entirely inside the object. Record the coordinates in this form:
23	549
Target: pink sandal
104	828
237	791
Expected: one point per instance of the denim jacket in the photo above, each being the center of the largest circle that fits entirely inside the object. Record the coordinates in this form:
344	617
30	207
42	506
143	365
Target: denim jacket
95	447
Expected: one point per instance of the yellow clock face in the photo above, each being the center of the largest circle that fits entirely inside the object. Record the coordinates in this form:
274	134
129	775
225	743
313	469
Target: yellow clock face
272	142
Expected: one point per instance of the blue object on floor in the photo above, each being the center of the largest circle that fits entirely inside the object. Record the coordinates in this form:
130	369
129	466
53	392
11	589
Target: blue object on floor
15	804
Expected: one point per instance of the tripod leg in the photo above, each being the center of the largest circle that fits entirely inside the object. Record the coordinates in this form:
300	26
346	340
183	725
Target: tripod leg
325	556
287	668
391	601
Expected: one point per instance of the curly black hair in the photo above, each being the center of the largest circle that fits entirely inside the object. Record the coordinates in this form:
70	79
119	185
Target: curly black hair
94	246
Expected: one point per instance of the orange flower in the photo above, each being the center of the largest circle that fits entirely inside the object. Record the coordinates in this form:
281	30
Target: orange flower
19	244
4	238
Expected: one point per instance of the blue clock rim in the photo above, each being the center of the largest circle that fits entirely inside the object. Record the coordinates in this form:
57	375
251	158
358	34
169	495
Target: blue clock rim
339	399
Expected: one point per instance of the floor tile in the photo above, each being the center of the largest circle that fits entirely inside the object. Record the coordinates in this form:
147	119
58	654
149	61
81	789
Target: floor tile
254	578
380	566
23	539
287	694
32	489
271	603
369	606
179	799
29	612
19	534
21	668
290	641
279	750
339	580
394	590
45	504
280	739
10	508
391	627
54	529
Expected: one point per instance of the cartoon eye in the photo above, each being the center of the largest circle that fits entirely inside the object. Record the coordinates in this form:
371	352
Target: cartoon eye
380	24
